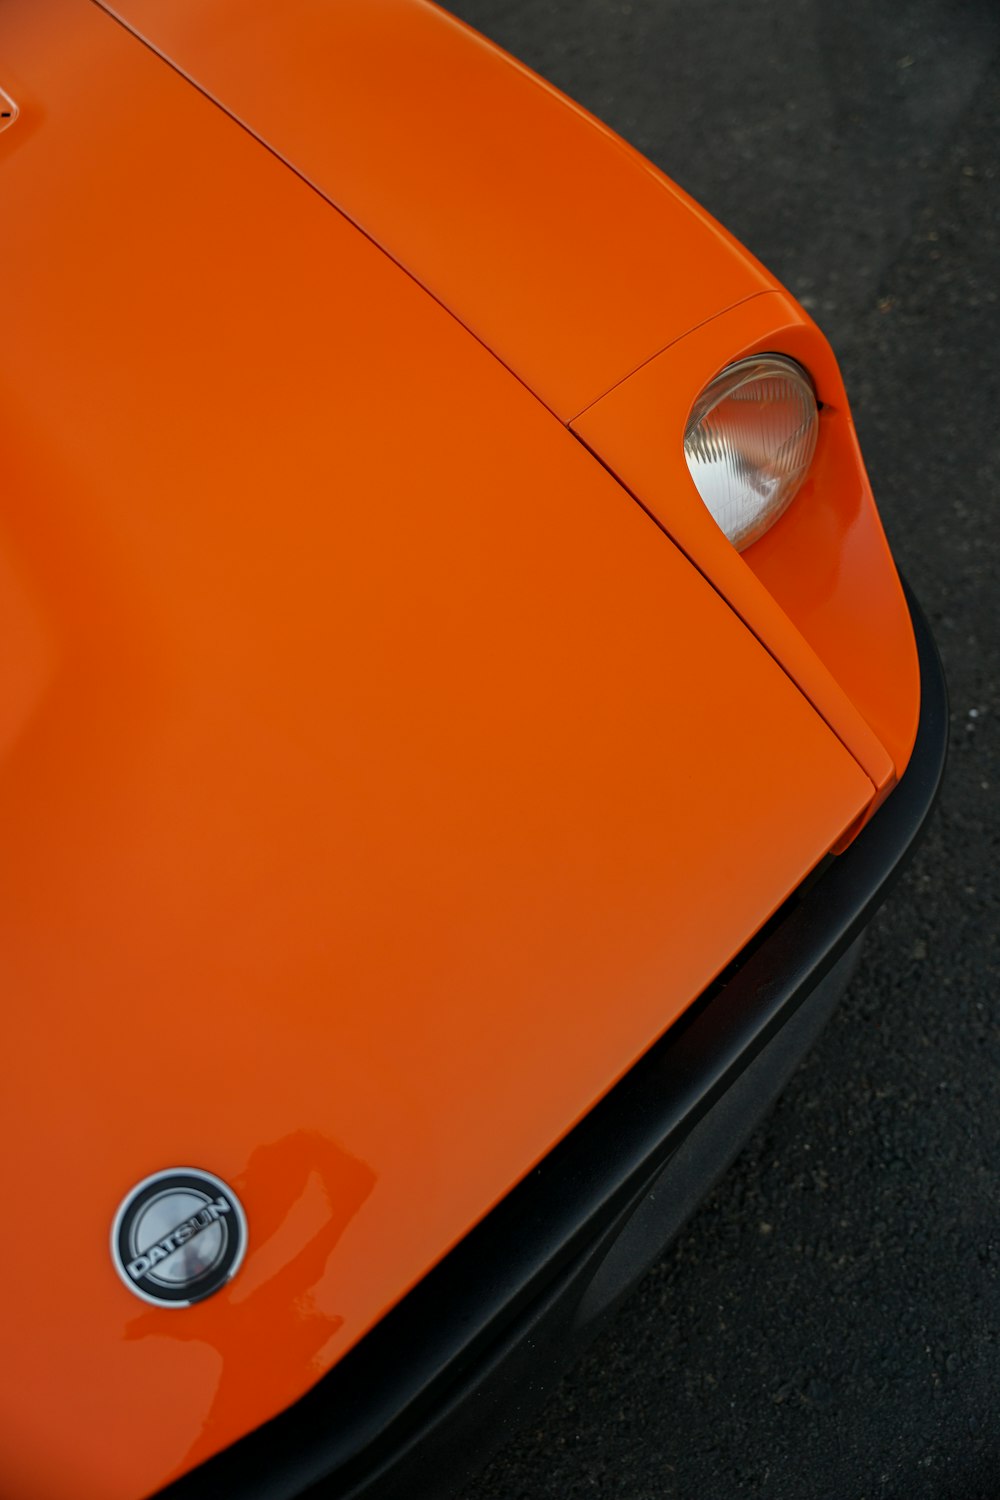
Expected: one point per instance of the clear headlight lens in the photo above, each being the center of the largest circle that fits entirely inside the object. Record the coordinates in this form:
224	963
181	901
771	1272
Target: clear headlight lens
750	441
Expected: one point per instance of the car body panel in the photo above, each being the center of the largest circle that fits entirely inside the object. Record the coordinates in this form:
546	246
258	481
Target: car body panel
544	234
820	588
378	779
536	226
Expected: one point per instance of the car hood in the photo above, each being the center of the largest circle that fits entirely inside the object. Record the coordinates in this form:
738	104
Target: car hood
541	230
377	780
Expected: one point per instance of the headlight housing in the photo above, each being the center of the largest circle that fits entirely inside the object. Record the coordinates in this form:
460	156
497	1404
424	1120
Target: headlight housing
749	443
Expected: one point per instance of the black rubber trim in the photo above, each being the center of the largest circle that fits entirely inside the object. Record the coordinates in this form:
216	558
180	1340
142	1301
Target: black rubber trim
378	1418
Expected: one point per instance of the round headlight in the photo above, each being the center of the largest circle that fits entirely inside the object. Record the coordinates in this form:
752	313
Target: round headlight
750	441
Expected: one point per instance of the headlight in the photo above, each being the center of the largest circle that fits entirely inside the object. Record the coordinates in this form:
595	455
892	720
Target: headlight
750	441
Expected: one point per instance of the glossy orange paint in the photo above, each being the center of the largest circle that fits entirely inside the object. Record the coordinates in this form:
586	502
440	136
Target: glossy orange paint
377	779
554	242
484	183
820	589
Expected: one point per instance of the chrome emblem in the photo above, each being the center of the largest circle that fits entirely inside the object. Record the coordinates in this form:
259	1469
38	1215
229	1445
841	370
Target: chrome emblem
178	1237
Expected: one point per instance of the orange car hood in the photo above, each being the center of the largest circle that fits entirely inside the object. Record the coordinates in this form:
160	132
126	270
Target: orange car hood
376	779
538	228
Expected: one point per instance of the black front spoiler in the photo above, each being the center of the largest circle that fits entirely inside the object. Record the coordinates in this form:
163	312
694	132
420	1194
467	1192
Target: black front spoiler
421	1400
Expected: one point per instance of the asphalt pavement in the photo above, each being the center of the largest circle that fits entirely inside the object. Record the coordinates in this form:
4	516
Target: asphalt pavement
828	1325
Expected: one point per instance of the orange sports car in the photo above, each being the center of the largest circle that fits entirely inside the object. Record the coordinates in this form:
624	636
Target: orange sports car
459	713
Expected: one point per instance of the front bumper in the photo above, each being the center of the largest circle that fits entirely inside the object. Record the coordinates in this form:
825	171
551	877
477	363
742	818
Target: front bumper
466	1356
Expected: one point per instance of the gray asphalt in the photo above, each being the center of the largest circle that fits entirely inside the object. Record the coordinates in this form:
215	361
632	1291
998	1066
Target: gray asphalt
829	1323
